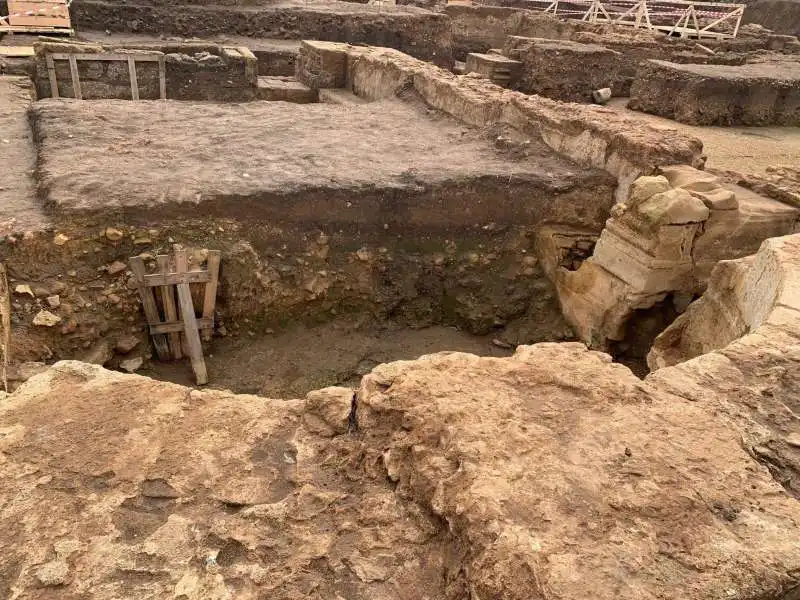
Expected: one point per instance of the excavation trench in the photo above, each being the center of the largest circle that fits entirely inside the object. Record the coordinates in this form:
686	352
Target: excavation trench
298	310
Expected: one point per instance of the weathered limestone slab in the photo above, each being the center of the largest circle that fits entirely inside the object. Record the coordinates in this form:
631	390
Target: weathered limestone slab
751	94
208	492
286	89
742	296
497	68
730	234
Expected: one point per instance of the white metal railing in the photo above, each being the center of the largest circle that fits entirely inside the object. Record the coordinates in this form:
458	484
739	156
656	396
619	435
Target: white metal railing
683	18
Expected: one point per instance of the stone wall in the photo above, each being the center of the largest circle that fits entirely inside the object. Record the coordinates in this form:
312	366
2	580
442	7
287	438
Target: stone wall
418	32
766	93
563	70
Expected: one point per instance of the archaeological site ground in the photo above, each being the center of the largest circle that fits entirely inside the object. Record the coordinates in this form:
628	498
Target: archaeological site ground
399	299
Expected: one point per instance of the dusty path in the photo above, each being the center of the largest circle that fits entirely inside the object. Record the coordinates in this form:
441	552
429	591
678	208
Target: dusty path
747	150
19	208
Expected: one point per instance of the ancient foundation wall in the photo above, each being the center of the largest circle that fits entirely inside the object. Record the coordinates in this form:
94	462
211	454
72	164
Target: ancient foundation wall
418	32
751	94
591	136
660	247
193	72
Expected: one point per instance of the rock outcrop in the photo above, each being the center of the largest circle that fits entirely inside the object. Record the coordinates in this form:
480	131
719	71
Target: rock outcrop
552	474
759	291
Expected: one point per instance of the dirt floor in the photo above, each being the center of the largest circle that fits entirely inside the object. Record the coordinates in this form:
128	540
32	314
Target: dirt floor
173	152
749	150
291	363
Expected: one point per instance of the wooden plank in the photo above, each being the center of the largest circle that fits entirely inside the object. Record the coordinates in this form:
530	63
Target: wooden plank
178	326
17	51
9	29
47	13
51	74
157	280
76	80
134	80
170	309
191	333
103	56
149	305
162	78
210	298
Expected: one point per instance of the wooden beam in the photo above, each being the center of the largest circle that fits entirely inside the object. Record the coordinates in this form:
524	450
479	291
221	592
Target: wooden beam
173	327
210	298
194	346
149	305
107	56
170	309
134	80
76	80
159	279
51	74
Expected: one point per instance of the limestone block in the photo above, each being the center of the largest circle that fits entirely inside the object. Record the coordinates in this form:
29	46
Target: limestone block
673	207
689	178
647	186
620	252
717	199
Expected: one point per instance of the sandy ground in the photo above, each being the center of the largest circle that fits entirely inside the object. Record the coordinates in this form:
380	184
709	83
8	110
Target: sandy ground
175	152
747	150
19	208
291	363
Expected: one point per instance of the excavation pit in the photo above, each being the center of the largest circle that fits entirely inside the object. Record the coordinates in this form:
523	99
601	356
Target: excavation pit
389	213
415	215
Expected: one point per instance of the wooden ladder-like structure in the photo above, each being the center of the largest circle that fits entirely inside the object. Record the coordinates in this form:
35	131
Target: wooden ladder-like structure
174	326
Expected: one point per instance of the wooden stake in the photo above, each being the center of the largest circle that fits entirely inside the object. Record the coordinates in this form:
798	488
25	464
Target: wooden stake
51	74
76	80
150	306
194	346
211	290
162	78
170	310
134	80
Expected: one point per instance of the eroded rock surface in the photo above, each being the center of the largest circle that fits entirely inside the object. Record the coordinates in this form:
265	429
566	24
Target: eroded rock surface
552	474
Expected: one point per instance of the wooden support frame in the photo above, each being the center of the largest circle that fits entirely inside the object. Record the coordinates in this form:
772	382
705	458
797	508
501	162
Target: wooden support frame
178	332
131	59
